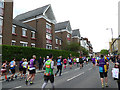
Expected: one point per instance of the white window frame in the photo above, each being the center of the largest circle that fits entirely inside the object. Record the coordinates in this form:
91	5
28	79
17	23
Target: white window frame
33	44
2	4
49	46
56	41
23	29
13	41
13	29
49	36
33	34
21	42
48	26
68	35
60	42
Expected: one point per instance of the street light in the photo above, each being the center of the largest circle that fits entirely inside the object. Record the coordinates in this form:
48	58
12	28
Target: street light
112	35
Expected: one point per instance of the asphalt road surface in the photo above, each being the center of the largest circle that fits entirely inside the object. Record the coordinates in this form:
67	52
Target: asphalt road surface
87	77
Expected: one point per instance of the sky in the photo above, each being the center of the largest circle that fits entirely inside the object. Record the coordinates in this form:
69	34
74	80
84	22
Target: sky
92	17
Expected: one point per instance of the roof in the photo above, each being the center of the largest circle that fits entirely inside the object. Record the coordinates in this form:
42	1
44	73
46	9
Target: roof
56	37
61	25
18	23
76	32
32	13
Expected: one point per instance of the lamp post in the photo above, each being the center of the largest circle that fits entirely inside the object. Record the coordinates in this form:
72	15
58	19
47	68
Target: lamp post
112	35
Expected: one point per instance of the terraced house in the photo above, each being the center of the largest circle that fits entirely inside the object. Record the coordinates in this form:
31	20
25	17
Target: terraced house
76	36
63	30
34	28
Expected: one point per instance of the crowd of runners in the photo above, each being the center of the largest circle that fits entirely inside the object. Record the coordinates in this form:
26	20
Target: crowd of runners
27	68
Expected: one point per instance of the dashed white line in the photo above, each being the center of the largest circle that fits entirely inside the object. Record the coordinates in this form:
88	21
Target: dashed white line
77	68
89	68
18	87
75	76
65	72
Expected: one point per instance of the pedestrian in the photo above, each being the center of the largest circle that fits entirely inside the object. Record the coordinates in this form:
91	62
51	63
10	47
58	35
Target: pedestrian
103	70
70	62
65	63
43	60
21	68
12	68
32	70
59	65
48	74
40	62
4	70
24	64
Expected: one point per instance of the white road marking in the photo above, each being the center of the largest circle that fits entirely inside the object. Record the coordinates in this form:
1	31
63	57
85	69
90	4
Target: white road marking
89	68
75	76
77	68
18	87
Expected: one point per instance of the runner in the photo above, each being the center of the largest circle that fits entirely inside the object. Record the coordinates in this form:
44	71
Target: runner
103	70
81	62
93	61
24	64
32	70
3	70
74	59
12	68
21	69
65	63
48	74
77	61
59	66
86	60
70	62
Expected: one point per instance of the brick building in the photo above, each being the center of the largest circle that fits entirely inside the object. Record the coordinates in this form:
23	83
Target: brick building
34	28
76	36
63	30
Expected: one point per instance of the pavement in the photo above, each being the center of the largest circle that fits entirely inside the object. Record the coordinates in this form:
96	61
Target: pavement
75	78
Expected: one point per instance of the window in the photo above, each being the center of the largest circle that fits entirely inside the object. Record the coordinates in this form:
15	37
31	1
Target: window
24	44
56	41
48	26
48	36
24	31
1	4
48	46
68	35
32	34
13	42
1	22
13	29
60	42
32	45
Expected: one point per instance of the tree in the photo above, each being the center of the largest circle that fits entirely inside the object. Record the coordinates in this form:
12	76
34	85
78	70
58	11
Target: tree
84	51
104	52
75	47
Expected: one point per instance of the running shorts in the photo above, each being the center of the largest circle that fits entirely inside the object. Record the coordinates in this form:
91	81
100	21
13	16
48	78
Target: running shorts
70	63
51	78
12	71
24	70
32	71
3	70
103	74
65	63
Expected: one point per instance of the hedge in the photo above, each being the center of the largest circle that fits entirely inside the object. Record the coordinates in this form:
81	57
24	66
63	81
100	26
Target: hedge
18	52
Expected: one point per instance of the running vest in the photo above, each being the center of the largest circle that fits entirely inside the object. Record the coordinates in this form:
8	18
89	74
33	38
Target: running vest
31	66
12	65
102	65
48	70
59	62
70	60
65	61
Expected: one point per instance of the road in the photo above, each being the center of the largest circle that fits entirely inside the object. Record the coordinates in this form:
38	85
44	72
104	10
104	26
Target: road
87	77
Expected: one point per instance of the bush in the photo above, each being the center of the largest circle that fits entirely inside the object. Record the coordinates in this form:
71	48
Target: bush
9	52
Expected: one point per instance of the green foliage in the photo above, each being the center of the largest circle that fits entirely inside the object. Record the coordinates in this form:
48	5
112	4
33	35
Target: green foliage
75	47
9	52
85	52
104	52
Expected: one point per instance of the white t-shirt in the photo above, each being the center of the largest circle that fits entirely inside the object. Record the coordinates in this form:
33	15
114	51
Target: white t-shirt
77	59
24	64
